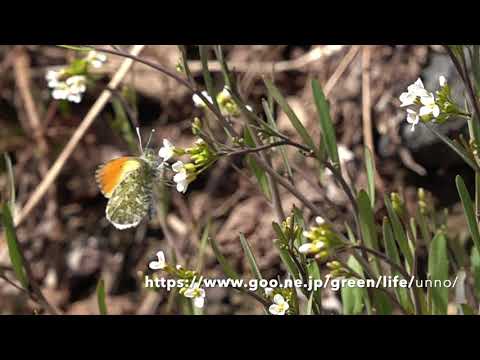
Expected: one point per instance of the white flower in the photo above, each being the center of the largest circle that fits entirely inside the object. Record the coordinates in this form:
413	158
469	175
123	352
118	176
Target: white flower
412	118
77	84
53	77
96	59
319	220
181	177
414	91
167	150
60	92
442	80
429	106
158	264
417	88
407	99
311	248
197	294
249	108
72	89
279	306
199	102
268	291
226	93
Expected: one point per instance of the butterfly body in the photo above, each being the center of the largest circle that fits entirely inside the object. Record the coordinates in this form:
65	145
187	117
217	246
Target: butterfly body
128	184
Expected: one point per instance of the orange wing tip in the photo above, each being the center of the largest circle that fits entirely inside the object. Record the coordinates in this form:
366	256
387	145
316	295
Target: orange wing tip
112	173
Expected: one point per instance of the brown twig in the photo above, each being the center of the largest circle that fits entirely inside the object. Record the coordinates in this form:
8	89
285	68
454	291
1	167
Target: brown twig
367	109
21	66
313	55
342	67
366	99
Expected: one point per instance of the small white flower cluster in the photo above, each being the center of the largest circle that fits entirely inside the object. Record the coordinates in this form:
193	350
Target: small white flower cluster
72	87
96	59
201	156
194	292
313	247
181	177
224	99
420	103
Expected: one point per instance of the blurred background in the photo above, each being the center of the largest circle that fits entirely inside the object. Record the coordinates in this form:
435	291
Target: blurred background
69	243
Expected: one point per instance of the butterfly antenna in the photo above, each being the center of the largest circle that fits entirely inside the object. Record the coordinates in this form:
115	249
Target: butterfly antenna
149	139
139	139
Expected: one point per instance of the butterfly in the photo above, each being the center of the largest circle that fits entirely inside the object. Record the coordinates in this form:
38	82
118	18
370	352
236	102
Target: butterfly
127	182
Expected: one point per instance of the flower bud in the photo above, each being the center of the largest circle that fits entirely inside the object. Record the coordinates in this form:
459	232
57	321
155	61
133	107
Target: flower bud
397	204
196	126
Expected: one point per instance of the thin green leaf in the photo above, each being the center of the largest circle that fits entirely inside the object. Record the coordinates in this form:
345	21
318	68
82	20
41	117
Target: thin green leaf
438	270
399	233
353	297
271	122
278	231
251	257
468	210
309	308
203	247
259	173
297	124
475	56
382	303
466	309
314	272
16	257
75	47
229	79
392	252
102	306
367	225
422	223
11	179
287	259
207	77
474	129
325	121
226	267
475	262
460	152
370	167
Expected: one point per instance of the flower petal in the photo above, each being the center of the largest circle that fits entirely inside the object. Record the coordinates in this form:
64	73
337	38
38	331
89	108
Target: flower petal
274	309
442	80
305	248
278	299
425	110
178	166
198	302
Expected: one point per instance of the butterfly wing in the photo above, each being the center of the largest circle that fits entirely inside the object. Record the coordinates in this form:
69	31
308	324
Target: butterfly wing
131	198
113	172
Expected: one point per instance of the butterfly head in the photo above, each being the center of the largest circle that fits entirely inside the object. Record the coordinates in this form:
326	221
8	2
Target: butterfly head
148	154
